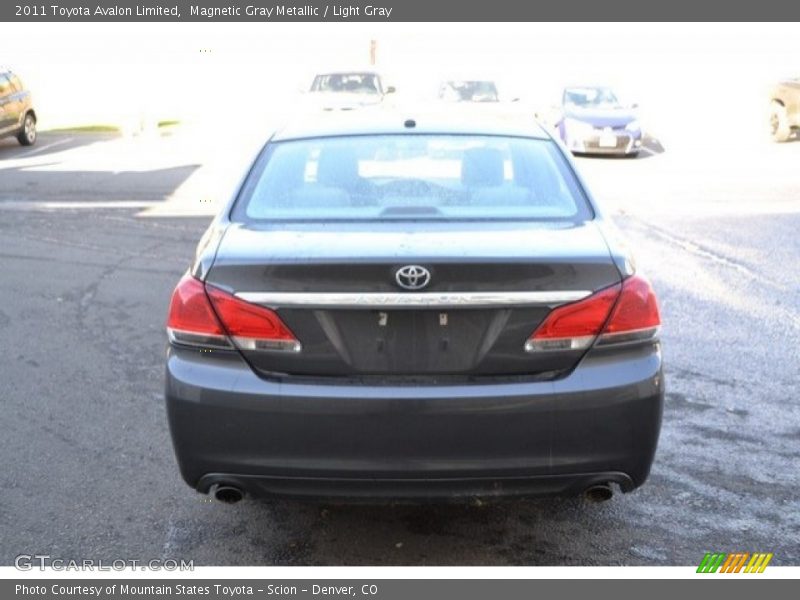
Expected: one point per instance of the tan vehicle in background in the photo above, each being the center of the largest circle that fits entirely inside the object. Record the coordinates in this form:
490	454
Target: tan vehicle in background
784	114
17	117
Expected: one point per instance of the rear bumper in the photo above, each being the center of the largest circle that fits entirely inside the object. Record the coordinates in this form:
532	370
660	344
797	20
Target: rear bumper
599	424
628	143
416	490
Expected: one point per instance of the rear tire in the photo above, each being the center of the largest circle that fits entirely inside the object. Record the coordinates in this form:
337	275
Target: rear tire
779	127
27	135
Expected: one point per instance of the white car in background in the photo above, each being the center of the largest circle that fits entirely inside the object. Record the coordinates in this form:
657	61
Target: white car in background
347	90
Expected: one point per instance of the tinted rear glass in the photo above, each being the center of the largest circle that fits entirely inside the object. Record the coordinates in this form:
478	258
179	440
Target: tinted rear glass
356	83
450	177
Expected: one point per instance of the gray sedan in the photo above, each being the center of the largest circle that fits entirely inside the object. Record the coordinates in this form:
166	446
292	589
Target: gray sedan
413	307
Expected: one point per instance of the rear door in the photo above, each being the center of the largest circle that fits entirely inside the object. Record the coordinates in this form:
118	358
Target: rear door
21	98
8	113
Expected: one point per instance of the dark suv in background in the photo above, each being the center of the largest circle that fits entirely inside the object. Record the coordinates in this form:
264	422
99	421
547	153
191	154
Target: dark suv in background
17	116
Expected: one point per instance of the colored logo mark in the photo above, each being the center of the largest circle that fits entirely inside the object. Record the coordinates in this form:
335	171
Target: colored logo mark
743	562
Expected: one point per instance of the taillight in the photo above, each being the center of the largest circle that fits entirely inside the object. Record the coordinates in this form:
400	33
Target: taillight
574	326
206	316
622	313
635	316
252	327
191	319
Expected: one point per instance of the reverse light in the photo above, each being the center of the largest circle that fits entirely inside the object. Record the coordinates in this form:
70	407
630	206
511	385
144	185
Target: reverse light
208	317
621	314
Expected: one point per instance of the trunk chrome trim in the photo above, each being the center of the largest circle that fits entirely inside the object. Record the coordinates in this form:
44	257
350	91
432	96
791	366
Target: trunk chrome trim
411	299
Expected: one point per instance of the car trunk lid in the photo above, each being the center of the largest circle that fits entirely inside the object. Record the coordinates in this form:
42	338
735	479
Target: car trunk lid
336	287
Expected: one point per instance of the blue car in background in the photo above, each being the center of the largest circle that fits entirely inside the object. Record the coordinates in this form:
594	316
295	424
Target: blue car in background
593	121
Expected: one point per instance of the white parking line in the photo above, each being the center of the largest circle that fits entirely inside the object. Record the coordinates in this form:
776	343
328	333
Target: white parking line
170	539
21	205
43	148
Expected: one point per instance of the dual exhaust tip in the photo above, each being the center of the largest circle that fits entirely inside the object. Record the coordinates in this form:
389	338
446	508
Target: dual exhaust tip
597	493
227	494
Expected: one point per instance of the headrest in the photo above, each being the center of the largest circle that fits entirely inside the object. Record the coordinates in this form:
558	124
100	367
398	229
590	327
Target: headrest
337	167
482	167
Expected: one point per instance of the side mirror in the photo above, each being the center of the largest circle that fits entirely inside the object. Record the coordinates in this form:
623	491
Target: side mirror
391	89
635	105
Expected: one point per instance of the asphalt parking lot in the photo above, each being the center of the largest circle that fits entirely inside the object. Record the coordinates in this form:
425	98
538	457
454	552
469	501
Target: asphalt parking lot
92	246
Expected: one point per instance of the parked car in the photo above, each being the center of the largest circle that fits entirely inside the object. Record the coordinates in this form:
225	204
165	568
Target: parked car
593	121
415	307
468	91
17	116
344	90
784	115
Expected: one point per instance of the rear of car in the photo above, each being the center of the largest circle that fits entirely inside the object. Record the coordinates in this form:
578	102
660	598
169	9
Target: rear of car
417	312
594	122
346	90
17	116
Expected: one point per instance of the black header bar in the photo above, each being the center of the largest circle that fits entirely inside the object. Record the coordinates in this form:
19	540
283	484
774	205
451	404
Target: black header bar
381	11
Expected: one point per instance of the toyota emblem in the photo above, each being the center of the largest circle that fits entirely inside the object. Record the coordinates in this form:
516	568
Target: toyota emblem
412	277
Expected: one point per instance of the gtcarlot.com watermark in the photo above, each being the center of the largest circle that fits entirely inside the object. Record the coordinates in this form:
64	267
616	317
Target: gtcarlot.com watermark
42	562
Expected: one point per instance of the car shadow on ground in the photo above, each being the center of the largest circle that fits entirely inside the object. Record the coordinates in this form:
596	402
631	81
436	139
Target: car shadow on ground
86	167
529	531
156	185
51	142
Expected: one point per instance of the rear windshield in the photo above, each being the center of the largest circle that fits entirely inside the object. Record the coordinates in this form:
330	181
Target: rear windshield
356	83
413	176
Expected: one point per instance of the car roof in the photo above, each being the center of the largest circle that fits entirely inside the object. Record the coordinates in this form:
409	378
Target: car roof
382	121
467	79
589	86
348	72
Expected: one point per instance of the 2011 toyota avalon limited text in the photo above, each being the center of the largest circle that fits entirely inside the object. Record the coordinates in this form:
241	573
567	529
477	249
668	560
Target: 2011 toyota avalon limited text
413	308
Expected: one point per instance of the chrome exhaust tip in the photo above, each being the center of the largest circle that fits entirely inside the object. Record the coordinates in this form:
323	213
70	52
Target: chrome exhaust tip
227	494
601	492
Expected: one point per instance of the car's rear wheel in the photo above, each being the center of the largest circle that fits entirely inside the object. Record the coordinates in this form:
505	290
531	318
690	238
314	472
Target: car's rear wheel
27	135
779	127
